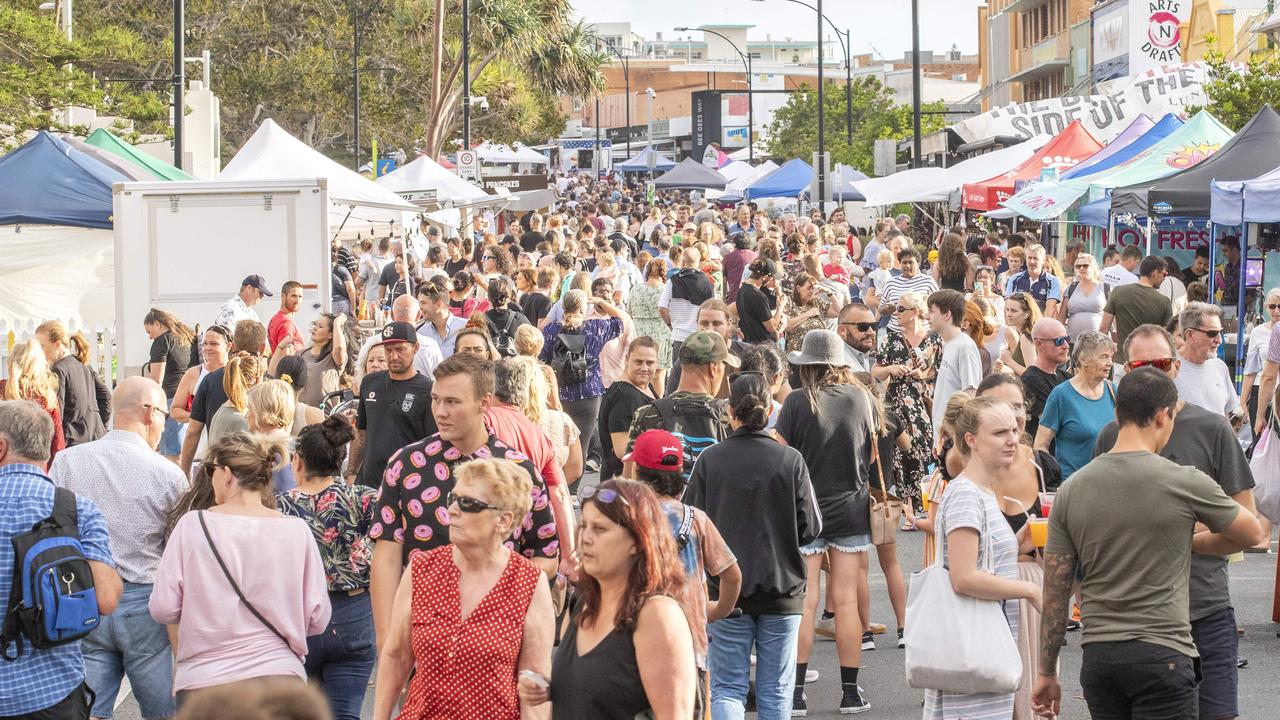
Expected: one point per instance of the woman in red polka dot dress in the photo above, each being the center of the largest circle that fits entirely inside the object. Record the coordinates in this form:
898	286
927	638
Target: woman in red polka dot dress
470	615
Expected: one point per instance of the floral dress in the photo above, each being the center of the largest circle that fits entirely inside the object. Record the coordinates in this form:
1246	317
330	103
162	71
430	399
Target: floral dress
642	304
794	337
909	398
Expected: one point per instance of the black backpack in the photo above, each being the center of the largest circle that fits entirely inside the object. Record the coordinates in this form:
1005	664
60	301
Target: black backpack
695	422
569	358
504	340
53	601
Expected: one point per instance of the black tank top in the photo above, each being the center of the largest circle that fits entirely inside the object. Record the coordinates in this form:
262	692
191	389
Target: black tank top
603	684
952	282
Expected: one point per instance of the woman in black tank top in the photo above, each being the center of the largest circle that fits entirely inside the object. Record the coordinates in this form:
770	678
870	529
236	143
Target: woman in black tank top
614	661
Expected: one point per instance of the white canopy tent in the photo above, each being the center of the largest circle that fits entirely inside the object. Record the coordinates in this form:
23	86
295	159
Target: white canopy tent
745	153
425	180
741	174
491	152
936	184
359	204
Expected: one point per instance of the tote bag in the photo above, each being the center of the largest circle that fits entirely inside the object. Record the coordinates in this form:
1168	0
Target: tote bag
1265	465
956	643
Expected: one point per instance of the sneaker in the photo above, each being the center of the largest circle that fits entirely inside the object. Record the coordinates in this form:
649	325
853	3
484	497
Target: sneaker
853	702
799	704
825	627
868	641
901	643
877	628
1073	625
592	466
811	677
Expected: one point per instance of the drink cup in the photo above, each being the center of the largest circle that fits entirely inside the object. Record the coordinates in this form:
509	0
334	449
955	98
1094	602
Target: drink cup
1039	531
1046	502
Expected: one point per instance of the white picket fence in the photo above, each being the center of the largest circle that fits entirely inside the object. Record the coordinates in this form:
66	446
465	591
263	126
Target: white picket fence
102	346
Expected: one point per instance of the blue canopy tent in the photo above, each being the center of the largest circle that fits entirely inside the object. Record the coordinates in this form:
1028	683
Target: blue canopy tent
844	191
640	163
49	182
791	180
1096	213
1131	149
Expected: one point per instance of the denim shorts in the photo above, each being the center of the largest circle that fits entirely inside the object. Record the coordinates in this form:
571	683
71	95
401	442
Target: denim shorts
859	543
171	440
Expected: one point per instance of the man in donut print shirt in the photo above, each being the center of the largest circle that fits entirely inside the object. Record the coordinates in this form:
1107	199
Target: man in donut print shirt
411	515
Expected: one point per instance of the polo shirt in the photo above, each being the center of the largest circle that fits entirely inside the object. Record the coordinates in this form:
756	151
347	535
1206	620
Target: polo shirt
40	679
412	506
508	424
1044	288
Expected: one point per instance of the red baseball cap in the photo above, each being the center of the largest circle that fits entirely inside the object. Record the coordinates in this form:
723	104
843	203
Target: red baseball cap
657	450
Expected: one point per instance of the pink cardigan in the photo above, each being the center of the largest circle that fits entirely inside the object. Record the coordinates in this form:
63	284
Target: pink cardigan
278	568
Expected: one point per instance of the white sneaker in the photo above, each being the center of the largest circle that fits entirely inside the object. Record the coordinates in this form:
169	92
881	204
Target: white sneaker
810	677
825	627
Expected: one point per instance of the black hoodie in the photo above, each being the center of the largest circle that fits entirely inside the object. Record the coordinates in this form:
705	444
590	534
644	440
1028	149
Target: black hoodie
757	492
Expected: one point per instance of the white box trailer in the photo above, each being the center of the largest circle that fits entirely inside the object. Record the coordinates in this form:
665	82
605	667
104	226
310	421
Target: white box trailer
185	247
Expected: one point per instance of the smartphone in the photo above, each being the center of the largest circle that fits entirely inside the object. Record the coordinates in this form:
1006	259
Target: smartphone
535	678
977	287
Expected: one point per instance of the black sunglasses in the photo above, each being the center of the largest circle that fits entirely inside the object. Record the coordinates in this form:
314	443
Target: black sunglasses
1272	306
467	504
1161	364
599	494
1207	333
903	308
862	326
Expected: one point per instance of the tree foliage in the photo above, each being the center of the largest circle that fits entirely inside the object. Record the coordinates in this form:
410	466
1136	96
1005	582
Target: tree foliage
794	130
1236	94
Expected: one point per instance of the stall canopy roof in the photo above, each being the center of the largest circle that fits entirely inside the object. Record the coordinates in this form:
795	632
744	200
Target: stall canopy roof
740	174
1253	151
1140	135
1064	151
1251	201
790	180
161	170
934	184
426	175
492	152
640	162
844	191
48	182
690	175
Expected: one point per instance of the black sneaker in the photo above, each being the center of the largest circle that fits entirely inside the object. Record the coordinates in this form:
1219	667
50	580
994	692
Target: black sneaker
868	641
853	703
799	704
1073	625
901	643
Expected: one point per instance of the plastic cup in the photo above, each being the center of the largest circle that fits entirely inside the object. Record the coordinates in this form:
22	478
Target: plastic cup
1039	531
1046	502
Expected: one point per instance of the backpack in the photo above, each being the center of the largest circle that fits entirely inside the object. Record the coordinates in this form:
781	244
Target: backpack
503	340
569	358
53	601
695	423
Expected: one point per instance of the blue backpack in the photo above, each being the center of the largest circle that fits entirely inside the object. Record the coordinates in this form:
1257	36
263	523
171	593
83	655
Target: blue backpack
52	601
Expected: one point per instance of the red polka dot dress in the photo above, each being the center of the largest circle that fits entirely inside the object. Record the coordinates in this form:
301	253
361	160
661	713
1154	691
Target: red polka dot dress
466	669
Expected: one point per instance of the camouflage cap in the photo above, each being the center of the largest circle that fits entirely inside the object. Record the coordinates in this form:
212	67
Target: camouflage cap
705	347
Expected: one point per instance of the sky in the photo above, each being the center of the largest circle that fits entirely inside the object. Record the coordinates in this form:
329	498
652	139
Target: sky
879	26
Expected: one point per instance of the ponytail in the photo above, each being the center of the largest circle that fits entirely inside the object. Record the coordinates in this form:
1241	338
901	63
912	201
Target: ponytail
80	347
244	370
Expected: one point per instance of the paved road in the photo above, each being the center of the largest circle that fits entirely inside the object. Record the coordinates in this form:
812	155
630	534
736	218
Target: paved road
882	674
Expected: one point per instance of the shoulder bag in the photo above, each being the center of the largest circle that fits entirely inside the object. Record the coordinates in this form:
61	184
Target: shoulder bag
1265	465
227	574
886	510
957	643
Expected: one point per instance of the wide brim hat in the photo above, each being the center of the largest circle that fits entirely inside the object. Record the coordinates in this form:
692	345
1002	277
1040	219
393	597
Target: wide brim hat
820	347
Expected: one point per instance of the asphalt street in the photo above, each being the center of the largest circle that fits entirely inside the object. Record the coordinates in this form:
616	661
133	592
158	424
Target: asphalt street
882	676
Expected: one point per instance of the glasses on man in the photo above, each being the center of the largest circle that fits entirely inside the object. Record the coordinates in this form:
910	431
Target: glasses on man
1161	364
157	408
468	504
599	494
1207	333
1057	342
861	326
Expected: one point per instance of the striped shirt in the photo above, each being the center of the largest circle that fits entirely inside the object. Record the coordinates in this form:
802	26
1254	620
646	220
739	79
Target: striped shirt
684	314
897	286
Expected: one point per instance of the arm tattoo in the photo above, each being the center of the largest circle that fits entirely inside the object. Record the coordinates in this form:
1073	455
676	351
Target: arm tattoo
1059	572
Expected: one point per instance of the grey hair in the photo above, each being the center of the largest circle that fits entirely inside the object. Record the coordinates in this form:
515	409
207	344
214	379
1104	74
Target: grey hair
512	380
28	428
1090	344
575	302
1195	313
1151	330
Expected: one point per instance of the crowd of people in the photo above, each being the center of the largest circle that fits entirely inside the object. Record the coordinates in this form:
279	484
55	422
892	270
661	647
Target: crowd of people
633	457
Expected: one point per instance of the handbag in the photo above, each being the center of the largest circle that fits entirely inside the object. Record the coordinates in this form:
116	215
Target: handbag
886	510
956	643
226	573
1265	465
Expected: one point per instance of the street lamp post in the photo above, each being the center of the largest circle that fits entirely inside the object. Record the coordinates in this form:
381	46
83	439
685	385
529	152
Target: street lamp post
751	117
915	83
626	75
845	44
466	74
179	77
822	140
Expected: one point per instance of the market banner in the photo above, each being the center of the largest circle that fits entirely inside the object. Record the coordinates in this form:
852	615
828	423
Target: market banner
1166	89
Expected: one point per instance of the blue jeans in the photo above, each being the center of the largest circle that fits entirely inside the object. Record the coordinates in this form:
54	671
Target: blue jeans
171	439
729	659
341	658
129	643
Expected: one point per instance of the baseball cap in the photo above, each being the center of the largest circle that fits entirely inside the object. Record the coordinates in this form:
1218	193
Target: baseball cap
657	450
397	332
259	283
705	347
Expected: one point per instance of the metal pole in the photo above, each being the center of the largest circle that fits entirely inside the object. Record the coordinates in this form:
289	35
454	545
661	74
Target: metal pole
67	17
355	84
848	89
915	83
822	141
466	74
596	154
626	74
179	77
751	113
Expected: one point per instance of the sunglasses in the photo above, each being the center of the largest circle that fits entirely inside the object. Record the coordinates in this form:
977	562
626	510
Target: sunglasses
1272	306
862	326
903	308
1161	364
1057	342
599	494
211	467
1207	333
468	504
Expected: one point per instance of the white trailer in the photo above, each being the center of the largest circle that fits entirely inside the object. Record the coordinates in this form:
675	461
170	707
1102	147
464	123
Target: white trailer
185	247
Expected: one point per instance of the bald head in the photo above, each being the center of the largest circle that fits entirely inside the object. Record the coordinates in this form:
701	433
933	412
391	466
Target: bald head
405	309
132	394
1048	329
690	258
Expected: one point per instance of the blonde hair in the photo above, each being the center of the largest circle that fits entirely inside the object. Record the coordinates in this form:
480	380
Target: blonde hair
575	305
534	402
250	458
29	375
510	485
884	258
77	346
272	404
966	418
529	341
244	370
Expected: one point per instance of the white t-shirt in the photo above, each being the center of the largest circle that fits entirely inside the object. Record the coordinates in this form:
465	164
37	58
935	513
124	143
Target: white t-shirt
1116	275
1173	289
960	369
1208	385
